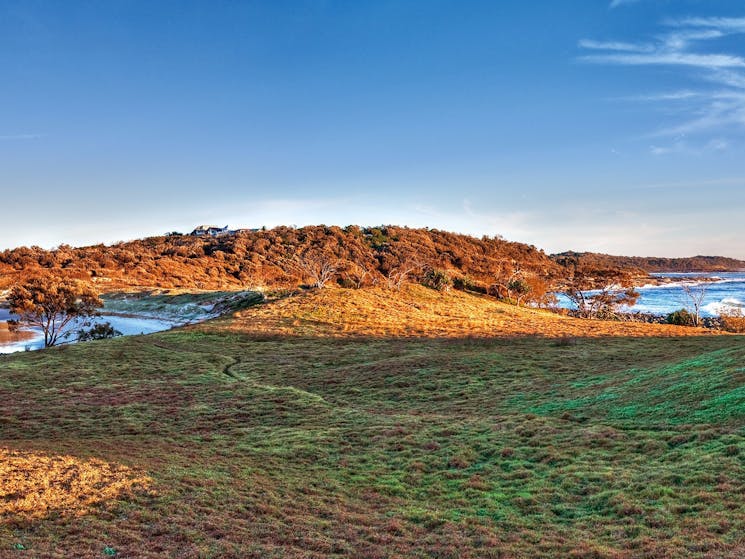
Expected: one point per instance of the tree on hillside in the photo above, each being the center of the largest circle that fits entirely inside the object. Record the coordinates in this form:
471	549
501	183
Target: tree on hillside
509	282
693	299
398	275
315	264
521	287
51	304
599	293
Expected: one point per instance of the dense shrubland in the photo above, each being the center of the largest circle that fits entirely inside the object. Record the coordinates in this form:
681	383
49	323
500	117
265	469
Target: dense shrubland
316	256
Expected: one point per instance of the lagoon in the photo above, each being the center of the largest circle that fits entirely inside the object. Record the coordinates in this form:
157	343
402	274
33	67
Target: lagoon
127	325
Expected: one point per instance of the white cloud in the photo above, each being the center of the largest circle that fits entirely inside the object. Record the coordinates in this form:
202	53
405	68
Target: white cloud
727	78
718	144
721	183
662	150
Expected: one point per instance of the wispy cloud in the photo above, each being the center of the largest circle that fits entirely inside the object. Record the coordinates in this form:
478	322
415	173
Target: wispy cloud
716	104
720	24
617	3
673	47
11	137
669	96
683	147
720	183
710	61
615	46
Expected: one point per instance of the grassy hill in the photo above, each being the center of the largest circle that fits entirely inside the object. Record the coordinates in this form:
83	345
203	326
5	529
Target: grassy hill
417	311
370	423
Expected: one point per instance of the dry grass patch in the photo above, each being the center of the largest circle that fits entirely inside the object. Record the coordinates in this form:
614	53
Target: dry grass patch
33	485
416	311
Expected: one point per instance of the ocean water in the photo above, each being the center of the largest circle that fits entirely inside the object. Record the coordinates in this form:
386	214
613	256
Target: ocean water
723	292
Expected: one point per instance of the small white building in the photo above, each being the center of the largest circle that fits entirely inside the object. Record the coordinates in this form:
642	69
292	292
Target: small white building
210	231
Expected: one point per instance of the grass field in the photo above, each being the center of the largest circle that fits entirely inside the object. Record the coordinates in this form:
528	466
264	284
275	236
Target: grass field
261	437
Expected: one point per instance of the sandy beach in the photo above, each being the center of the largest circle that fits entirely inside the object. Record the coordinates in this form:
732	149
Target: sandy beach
6	336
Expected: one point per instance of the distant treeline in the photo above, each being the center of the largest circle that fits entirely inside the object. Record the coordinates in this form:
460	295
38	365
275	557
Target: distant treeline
644	265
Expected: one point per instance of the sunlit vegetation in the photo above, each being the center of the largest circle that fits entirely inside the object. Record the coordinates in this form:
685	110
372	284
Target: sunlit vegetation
733	321
283	256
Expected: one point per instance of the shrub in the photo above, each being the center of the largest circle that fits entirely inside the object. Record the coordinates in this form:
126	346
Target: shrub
437	279
681	317
466	283
346	283
100	331
733	321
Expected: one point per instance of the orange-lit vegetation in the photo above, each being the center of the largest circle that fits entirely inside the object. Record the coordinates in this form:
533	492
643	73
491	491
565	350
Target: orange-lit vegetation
49	303
286	256
733	321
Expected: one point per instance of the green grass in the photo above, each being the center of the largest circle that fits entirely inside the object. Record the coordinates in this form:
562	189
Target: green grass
307	447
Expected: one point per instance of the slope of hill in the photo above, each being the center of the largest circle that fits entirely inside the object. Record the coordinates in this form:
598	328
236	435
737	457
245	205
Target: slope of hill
417	311
283	256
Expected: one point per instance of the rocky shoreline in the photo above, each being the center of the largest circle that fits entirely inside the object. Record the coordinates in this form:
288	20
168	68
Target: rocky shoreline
711	322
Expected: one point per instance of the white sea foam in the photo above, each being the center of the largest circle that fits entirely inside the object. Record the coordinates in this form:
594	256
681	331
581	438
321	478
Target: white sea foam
728	304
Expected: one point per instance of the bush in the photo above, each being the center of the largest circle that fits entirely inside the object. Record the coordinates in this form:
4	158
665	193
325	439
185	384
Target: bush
437	279
346	283
681	317
100	331
733	321
468	284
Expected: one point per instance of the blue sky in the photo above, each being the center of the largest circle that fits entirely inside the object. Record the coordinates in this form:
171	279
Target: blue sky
607	125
